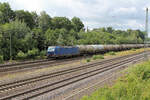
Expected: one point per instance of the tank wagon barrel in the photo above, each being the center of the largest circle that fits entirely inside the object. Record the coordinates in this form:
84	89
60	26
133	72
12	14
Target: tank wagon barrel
90	49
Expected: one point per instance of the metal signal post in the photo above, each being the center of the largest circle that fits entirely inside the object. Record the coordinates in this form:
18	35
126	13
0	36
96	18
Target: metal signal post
146	33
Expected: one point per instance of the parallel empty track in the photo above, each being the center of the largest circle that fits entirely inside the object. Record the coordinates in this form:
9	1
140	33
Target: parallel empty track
8	68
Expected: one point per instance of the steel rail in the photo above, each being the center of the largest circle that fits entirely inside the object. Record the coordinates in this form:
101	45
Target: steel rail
40	64
86	73
58	73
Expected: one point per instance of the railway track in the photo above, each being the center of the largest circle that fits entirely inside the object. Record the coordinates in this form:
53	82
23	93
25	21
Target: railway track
63	71
20	63
52	81
7	68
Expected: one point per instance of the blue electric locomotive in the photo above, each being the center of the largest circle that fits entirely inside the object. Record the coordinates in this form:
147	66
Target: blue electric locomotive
62	51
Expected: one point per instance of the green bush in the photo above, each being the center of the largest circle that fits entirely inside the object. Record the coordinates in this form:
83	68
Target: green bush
21	55
97	57
133	49
32	53
111	53
43	54
94	57
88	60
38	57
1	59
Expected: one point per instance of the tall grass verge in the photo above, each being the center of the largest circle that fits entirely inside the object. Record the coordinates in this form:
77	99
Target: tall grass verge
133	86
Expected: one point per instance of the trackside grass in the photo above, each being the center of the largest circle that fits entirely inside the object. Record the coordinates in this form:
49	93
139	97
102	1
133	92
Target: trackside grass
115	54
132	86
94	57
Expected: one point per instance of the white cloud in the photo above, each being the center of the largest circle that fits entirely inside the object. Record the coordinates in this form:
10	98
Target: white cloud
126	10
30	5
120	14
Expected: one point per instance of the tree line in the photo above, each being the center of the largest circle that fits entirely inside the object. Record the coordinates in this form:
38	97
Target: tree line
30	33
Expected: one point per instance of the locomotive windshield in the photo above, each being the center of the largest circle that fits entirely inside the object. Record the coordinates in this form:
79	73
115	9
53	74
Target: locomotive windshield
50	49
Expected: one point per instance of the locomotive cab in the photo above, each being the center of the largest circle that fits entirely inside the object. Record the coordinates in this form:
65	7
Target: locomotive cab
62	51
50	52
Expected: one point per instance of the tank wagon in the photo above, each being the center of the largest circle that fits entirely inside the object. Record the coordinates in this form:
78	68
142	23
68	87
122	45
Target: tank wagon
65	51
91	49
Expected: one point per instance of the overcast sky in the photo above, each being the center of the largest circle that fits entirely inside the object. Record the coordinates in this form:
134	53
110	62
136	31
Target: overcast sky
120	14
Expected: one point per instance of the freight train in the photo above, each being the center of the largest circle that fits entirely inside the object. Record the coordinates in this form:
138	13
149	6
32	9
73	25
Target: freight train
66	51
